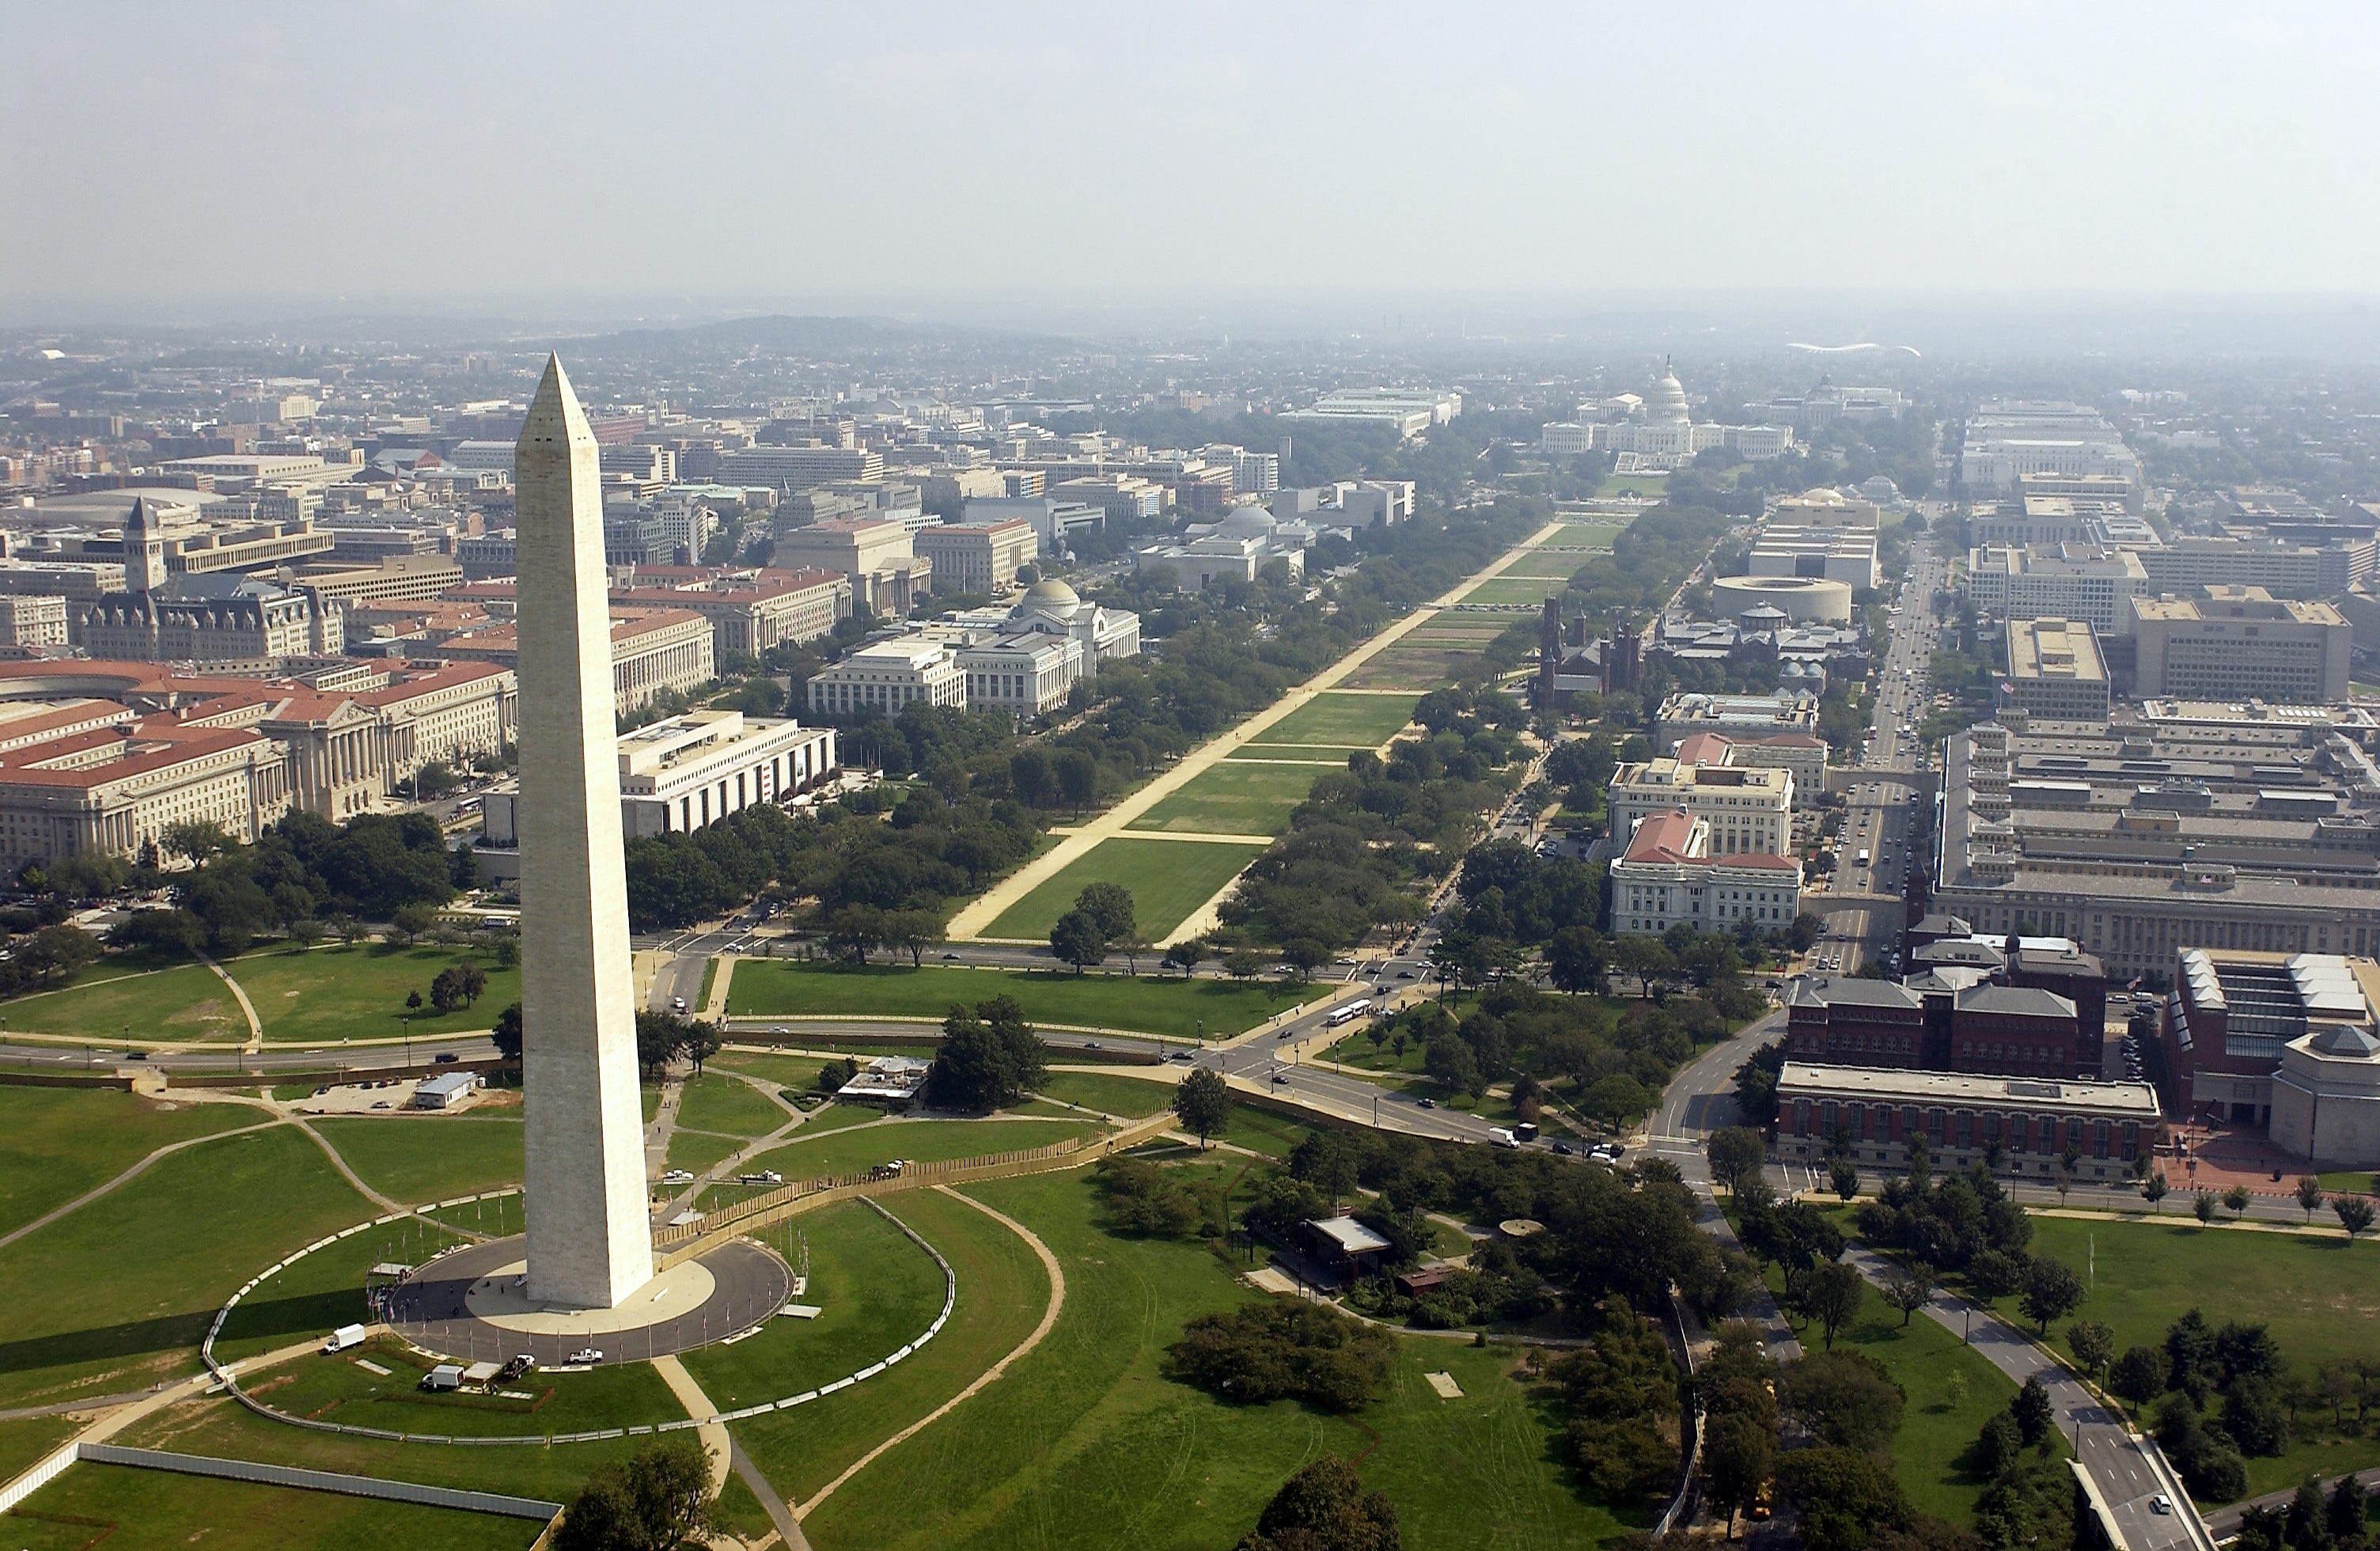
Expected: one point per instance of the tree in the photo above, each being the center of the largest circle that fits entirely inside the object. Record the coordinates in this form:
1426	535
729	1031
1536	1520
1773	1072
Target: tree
660	1037
1243	963
661	1499
855	929
1910	1291
2309	1193
2154	1189
2236	1200
506	1035
1843	1397
1739	1457
911	932
1575	959
2052	1292
1448	1062
2201	1205
412	920
413	1001
1737	1153
2092	1343
1833	1296
1110	907
2138	1375
1325	1507
2354	1213
704	1039
1078	778
1843	1174
1076	940
1203	1104
1846	1496
2032	1409
988	1057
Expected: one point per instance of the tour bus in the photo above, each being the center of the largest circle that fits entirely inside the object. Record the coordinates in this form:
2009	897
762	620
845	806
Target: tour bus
1348	1014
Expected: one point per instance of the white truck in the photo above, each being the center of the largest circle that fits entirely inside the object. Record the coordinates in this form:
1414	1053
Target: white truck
1502	1137
343	1338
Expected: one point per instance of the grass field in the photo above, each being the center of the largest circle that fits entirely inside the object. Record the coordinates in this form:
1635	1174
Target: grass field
1353	721
27	1440
334	1388
864	1146
797	1073
1586	536
877	1289
185	1003
1631	484
1422	667
432	1157
1083	1443
1130	1097
1169	880
330	994
117	1293
1513	590
1122	1001
1553	565
1231	800
698	1150
1933	1434
57	1142
316	998
1334	757
1001	1292
713	1102
2321	1298
157	1508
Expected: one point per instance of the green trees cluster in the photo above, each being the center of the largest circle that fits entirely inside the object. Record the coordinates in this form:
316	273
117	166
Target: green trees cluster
1621	1395
304	876
1144	1200
1962	1222
2311	1521
659	1499
457	986
989	1057
2237	1363
1277	1348
1101	922
46	957
1325	1507
662	1037
1614	1060
933	850
1648	559
1736	1388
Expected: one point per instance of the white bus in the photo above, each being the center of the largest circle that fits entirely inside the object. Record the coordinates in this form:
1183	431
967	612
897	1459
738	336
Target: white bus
1862	855
1348	1014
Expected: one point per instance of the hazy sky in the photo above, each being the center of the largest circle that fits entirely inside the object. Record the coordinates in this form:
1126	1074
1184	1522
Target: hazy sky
181	160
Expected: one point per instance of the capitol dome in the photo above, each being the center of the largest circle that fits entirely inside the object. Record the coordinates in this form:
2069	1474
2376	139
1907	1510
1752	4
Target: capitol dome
1669	397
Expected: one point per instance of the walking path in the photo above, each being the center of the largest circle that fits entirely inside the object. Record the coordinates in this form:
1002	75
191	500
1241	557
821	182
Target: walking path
988	907
713	1432
714	1006
239	994
1049	1319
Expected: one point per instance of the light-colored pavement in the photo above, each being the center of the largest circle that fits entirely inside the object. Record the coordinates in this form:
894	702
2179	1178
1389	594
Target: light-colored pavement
709	1428
988	907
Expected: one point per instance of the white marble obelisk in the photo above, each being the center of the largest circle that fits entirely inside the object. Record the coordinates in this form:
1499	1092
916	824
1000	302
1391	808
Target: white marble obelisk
588	1243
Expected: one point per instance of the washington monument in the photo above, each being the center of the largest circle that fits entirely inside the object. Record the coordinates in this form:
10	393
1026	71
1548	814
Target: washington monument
584	1181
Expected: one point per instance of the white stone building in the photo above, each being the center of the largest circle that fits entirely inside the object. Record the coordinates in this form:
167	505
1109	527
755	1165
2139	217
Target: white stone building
1748	808
1669	876
889	675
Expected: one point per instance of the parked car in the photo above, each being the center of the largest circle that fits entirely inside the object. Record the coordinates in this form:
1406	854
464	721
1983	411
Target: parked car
589	1355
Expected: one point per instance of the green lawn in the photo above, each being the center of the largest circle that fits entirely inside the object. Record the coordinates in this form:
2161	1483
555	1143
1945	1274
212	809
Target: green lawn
1513	590
335	1387
27	1440
1631	484
1359	720
330	994
1933	1434
1231	800
184	1003
57	1142
1130	1097
1083	1443
857	1147
1335	757
1586	535
158	1509
698	1150
1001	1293
118	1293
1146	1004
878	1292
1262	1131
2321	1298
221	1428
1169	880
1553	565
797	1073
430	1157
714	1102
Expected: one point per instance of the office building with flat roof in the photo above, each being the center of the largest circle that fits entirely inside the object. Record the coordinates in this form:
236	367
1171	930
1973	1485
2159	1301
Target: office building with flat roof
890	676
1748	809
2055	670
2015	1125
2240	643
1672	875
2086	583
